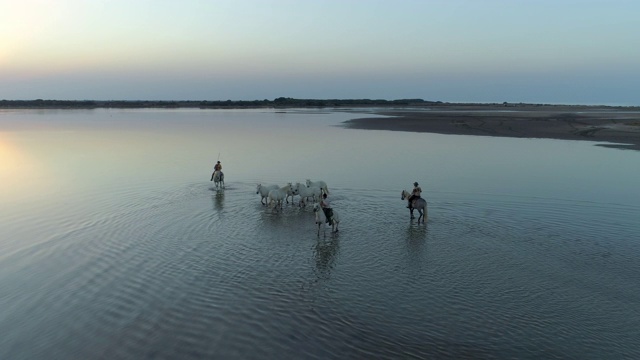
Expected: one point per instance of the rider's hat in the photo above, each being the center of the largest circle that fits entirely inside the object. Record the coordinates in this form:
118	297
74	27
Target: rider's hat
415	183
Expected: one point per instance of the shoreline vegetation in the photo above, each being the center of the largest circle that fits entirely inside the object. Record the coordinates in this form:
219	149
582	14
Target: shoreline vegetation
281	102
617	125
285	102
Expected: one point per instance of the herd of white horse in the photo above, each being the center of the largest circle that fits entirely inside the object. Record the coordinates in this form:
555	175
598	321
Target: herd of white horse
274	195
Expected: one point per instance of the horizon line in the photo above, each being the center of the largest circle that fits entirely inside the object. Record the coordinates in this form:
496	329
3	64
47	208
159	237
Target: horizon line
314	102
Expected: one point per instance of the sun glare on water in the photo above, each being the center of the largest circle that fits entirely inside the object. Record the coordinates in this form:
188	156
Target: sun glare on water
17	170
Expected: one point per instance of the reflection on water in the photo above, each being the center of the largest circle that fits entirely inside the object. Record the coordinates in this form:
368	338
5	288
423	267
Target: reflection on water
218	199
416	233
527	251
324	254
22	174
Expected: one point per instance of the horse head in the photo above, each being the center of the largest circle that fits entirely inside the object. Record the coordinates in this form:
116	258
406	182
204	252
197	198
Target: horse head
258	188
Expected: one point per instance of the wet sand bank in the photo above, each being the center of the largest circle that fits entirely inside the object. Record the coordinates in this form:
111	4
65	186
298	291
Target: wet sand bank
621	127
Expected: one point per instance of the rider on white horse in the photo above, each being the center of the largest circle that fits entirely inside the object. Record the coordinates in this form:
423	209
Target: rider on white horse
216	167
326	207
415	194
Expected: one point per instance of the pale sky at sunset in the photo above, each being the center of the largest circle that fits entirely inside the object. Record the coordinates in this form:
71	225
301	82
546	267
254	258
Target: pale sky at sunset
541	51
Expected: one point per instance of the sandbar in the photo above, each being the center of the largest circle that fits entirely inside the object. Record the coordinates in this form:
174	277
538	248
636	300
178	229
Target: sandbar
616	127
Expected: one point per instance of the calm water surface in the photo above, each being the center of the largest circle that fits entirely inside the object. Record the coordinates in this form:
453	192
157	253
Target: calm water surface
114	244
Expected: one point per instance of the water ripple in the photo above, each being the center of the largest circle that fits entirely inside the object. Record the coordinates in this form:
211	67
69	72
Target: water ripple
194	272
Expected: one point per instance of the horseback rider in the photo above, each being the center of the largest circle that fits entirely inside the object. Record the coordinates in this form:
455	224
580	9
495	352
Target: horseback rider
326	207
415	194
216	167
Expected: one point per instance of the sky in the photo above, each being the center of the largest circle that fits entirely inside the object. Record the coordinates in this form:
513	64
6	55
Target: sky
486	51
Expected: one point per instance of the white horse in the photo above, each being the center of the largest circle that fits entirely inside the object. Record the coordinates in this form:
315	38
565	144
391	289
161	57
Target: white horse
319	184
278	195
321	219
306	192
419	204
289	193
218	179
264	192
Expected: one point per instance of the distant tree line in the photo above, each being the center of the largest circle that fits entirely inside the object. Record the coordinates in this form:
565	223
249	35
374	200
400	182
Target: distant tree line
279	102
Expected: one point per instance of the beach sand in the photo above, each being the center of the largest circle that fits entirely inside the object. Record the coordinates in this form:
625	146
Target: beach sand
620	127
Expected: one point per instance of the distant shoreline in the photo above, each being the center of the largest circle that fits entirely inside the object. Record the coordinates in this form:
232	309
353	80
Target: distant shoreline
562	122
292	103
281	102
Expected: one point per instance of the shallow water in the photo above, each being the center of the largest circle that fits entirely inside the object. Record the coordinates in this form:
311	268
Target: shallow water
115	244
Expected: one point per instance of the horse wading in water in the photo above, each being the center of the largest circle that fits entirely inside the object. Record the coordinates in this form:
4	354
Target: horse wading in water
306	192
319	184
218	177
419	204
263	190
276	196
321	219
